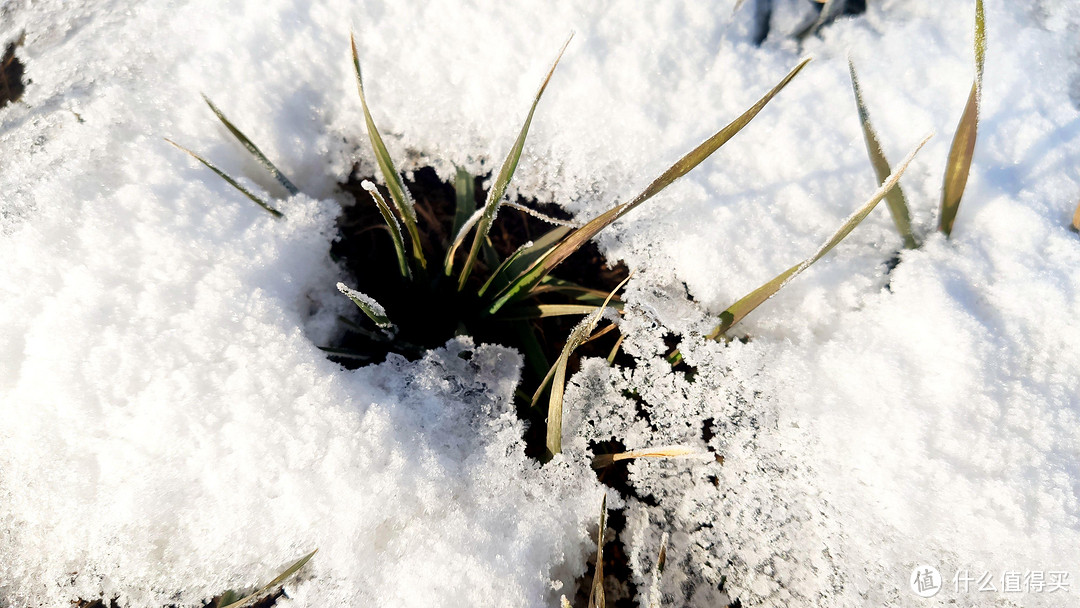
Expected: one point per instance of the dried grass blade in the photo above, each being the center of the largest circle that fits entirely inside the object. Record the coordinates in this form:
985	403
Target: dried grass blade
1076	218
596	595
502	180
576	239
740	309
963	145
253	149
658	573
232	182
667	451
398	193
274	584
895	199
392	226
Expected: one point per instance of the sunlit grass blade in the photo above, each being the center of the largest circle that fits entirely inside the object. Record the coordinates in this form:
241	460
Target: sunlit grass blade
398	193
658	573
895	199
539	248
392	225
502	180
596	595
576	239
232	182
255	151
1076	218
963	144
541	311
615	350
367	305
274	584
502	268
740	309
448	263
577	337
667	451
465	199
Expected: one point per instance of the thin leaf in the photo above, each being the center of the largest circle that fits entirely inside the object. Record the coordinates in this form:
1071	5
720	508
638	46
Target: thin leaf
498	188
963	145
502	267
740	309
596	595
251	147
232	182
895	199
528	256
367	305
658	573
576	239
541	311
667	451
274	584
465	191
398	193
577	337
615	350
448	263
392	225
831	10
565	603
1076	218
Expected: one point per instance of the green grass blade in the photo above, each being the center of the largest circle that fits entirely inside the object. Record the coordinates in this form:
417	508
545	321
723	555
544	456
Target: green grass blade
498	188
895	199
465	191
596	595
251	147
448	263
398	193
539	248
501	268
958	166
578	336
740	309
576	239
367	305
274	584
232	182
392	224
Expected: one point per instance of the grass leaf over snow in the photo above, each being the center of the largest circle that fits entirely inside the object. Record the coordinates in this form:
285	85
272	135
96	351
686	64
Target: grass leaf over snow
746	304
596	595
274	584
251	147
392	224
232	182
400	195
963	144
498	188
522	284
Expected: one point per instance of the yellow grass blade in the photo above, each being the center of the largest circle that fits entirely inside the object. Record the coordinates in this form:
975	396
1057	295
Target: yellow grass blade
274	584
668	451
596	595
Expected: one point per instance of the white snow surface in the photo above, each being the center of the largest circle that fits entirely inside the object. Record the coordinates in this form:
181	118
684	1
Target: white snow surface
170	429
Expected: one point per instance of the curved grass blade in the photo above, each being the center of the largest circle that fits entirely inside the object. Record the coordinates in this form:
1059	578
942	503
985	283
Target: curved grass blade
232	182
392	225
577	337
521	285
368	306
502	267
448	263
498	188
528	256
963	144
398	193
541	311
251	147
749	302
596	595
658	572
667	451
274	584
895	199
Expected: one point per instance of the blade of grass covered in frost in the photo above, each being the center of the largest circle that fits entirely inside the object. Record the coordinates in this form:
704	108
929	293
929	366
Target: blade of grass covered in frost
667	451
255	151
367	305
658	572
232	182
532	253
502	180
963	144
596	595
577	337
1076	218
521	285
465	199
740	309
392	225
895	199
274	584
398	193
541	311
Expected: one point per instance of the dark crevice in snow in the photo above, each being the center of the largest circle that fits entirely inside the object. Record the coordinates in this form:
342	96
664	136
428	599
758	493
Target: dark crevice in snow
11	74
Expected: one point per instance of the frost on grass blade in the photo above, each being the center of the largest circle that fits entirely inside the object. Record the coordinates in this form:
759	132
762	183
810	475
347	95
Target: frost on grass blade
1076	218
596	595
251	147
498	188
398	192
232	182
367	305
522	284
557	374
392	224
749	302
274	584
658	573
963	144
668	451
895	199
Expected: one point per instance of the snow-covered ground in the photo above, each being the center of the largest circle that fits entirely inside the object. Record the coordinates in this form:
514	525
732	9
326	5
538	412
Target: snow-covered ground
168	428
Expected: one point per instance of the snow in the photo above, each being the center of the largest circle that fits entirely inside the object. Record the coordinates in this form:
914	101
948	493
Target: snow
171	429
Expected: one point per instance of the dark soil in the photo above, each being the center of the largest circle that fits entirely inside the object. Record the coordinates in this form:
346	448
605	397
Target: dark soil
11	75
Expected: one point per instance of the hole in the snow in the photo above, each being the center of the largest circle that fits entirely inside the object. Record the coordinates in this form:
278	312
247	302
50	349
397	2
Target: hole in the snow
11	74
763	17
